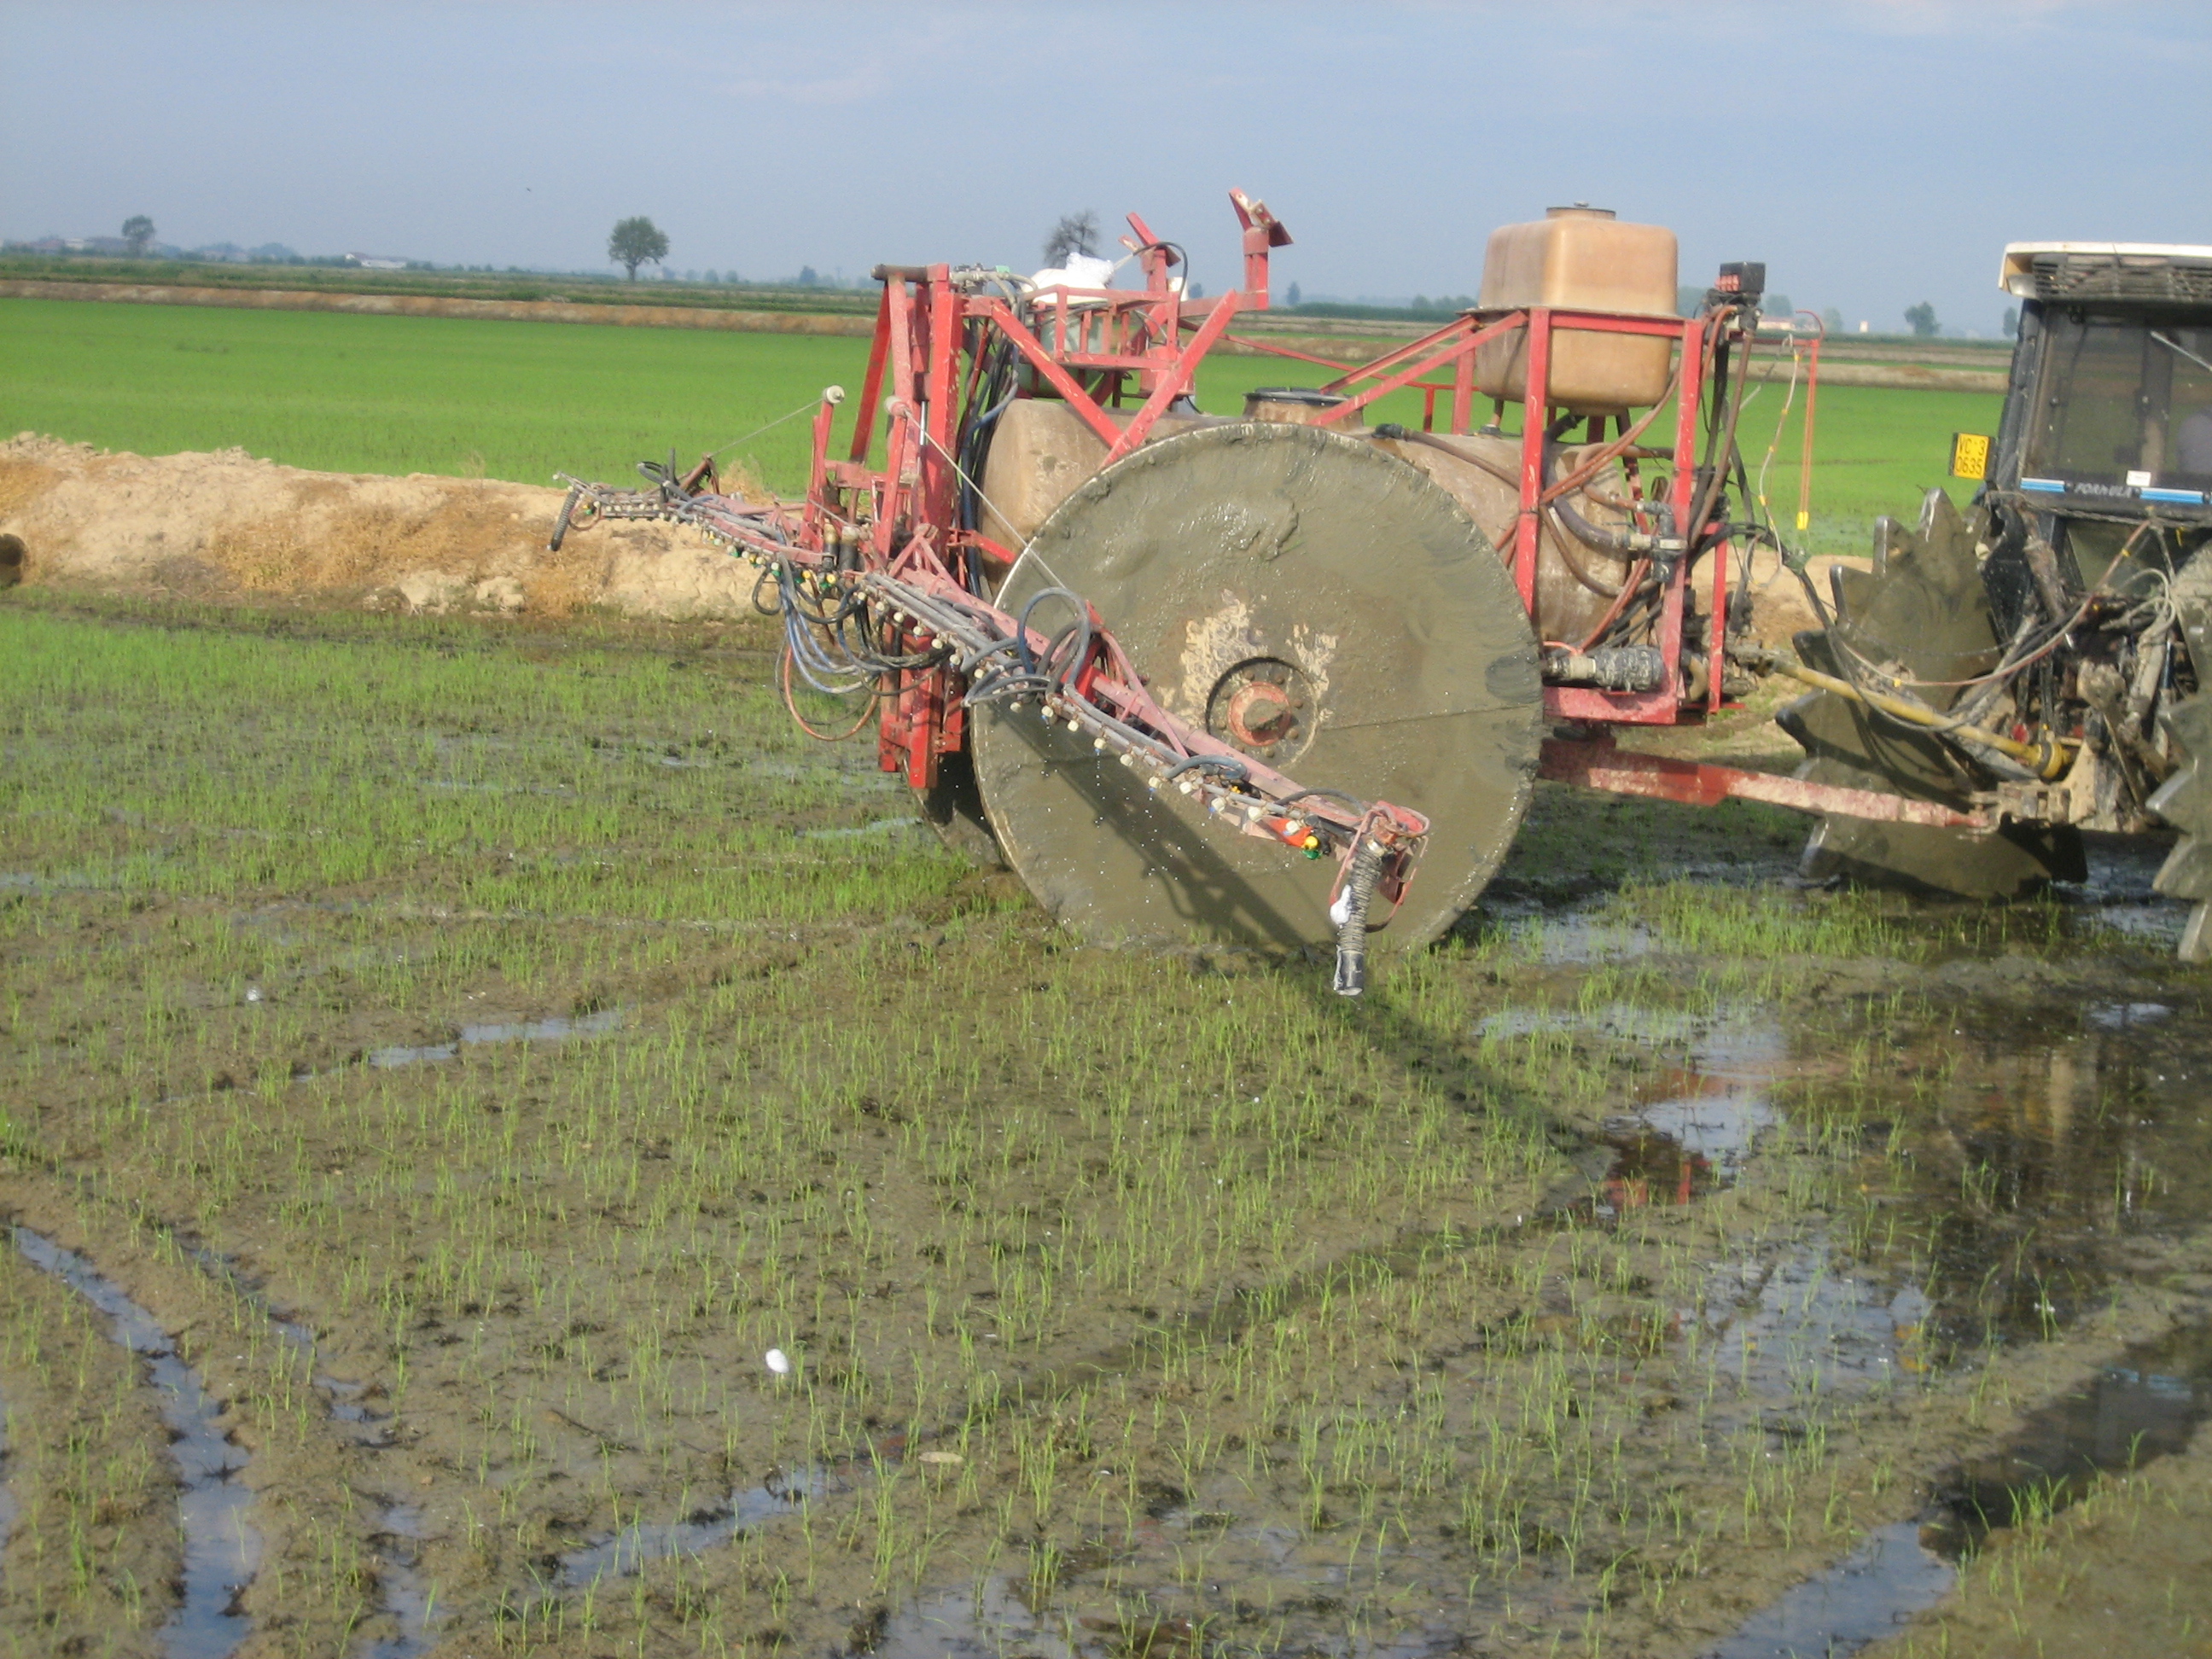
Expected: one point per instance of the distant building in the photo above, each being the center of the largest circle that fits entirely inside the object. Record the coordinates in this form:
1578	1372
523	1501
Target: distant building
376	262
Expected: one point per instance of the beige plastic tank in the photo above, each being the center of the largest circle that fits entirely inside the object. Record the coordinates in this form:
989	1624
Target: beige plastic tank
1581	258
1042	451
1575	580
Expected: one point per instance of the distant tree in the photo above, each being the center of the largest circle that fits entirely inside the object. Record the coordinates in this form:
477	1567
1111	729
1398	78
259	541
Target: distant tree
1920	319
1076	233
635	242
1292	295
138	230
808	277
2012	322
1834	320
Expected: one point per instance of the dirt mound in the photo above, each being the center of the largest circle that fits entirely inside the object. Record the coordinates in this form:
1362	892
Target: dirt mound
229	525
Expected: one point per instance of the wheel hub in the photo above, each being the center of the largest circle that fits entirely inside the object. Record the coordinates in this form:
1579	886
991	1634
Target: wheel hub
1263	708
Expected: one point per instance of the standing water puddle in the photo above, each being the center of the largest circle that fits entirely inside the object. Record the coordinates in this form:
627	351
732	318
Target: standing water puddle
2050	1147
558	1029
642	1541
1699	1113
221	1550
2143	1406
1862	1599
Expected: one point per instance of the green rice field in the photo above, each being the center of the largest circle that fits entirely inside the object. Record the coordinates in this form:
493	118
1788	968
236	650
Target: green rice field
619	1188
519	400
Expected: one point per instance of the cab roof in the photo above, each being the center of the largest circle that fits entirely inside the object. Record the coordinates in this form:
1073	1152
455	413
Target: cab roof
2107	271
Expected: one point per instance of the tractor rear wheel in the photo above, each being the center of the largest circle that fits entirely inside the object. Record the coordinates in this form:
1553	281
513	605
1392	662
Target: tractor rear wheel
1315	602
1922	608
2185	800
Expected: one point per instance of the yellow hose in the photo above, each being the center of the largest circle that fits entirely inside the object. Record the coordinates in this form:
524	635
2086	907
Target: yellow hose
2047	759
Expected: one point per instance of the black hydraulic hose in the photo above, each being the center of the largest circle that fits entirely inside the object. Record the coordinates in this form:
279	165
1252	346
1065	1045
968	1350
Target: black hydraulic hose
1022	631
1720	444
1397	434
1237	770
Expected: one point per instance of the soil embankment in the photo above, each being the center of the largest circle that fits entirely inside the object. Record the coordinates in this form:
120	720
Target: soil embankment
227	524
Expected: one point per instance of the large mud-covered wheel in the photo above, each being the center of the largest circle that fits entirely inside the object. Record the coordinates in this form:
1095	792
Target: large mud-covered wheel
1312	601
2185	800
1923	608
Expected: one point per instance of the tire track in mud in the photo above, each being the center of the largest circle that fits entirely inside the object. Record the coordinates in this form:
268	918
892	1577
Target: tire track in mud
221	1551
403	1591
10	1508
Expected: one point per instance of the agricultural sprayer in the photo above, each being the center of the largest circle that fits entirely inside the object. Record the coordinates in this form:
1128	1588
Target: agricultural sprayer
1240	678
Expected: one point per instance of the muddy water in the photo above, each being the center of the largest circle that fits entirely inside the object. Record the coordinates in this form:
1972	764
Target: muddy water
2067	1142
221	1551
626	1552
2147	1404
1863	1598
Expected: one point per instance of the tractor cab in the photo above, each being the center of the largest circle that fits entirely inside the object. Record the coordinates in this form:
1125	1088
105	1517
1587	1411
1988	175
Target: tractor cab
2108	416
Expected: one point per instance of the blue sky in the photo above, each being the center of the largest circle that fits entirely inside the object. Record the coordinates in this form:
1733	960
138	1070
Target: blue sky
1876	153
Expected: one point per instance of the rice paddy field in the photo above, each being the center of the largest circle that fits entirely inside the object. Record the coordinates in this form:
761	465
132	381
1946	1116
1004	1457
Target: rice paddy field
599	1181
513	1149
518	400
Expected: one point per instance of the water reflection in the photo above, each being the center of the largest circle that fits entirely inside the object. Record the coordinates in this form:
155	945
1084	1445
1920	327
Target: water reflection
2145	1405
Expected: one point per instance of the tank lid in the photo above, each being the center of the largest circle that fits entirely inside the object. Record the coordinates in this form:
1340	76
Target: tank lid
1579	210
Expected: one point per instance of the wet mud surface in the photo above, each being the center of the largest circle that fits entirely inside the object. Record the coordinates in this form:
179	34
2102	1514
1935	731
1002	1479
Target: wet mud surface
475	1053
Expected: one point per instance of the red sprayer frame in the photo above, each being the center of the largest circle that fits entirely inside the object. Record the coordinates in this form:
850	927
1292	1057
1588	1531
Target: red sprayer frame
884	538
